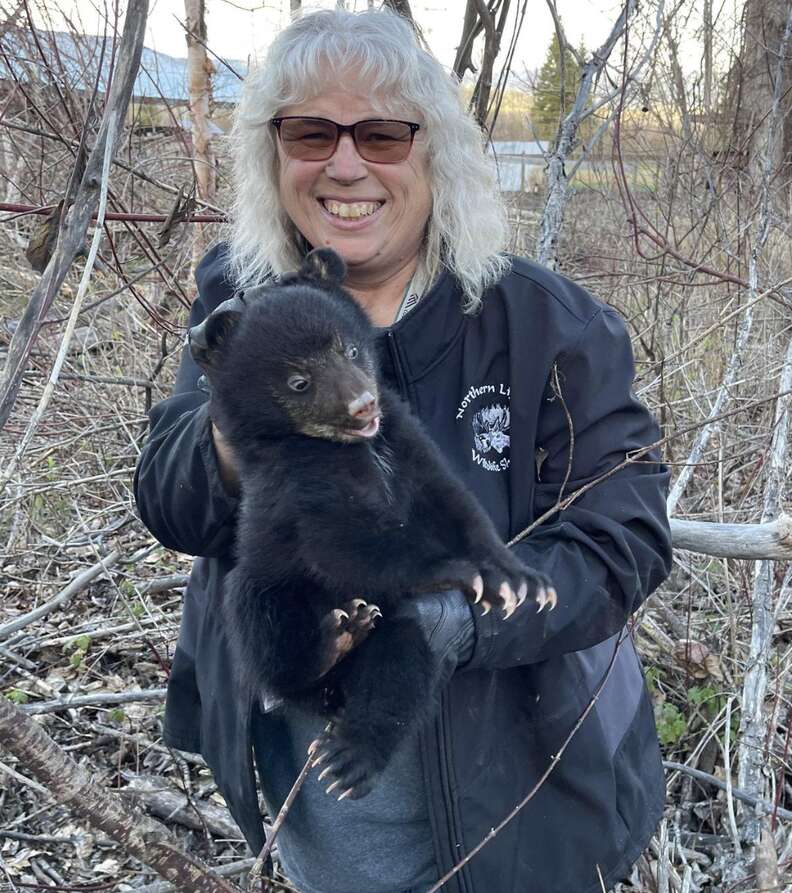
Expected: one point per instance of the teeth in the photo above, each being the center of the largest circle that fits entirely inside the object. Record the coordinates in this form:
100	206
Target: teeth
353	211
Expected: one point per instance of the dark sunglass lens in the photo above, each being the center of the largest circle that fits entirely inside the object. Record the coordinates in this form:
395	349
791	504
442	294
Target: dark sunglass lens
307	138
384	141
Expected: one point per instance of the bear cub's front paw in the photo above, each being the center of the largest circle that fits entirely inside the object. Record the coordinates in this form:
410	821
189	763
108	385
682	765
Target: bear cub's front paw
506	583
343	629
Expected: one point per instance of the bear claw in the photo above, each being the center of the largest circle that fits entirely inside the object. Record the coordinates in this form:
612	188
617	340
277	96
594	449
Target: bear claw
509	599
546	597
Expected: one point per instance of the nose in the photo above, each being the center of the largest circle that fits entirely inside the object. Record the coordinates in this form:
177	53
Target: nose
363	407
345	164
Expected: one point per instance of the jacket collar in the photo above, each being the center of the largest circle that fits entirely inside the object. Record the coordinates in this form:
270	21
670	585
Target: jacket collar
422	337
419	340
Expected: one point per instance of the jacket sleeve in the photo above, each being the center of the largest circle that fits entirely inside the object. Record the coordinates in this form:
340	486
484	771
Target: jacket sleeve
179	493
609	549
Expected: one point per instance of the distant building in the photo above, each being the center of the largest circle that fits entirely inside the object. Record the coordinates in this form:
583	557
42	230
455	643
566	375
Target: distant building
520	164
76	61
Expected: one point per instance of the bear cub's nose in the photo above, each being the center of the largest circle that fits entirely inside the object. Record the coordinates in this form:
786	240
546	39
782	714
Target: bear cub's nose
363	407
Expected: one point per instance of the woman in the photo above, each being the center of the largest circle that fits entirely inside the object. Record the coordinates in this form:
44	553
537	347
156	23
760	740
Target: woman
352	136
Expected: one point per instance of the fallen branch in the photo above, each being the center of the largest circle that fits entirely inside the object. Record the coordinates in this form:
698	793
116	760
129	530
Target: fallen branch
144	744
73	786
104	632
98	700
78	583
229	870
762	806
161	800
165	584
772	540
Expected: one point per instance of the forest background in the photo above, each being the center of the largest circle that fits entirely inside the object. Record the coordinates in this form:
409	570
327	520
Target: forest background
653	167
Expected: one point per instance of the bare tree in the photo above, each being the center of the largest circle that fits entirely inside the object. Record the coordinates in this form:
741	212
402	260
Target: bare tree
489	17
568	137
765	55
200	70
86	198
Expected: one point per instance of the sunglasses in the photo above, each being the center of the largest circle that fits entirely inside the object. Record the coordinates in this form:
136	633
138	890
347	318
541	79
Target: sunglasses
316	139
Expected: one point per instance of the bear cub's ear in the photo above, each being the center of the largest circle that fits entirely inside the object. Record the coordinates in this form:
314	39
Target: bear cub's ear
208	338
323	264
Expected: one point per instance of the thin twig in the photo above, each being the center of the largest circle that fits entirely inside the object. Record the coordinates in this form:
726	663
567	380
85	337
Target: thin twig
631	459
258	866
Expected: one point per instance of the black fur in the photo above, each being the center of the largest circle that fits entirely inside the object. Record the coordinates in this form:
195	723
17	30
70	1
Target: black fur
328	515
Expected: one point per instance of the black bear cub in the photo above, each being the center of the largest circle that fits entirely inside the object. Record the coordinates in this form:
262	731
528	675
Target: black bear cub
346	510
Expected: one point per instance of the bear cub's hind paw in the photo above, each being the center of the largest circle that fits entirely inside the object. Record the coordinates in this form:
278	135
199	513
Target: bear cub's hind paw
349	770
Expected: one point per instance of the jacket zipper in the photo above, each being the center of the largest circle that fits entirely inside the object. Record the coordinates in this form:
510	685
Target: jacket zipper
393	349
456	848
441	725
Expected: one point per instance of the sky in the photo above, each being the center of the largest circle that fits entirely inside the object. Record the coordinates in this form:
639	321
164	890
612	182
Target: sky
239	29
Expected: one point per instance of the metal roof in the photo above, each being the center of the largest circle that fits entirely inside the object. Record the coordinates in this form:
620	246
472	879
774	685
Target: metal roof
75	60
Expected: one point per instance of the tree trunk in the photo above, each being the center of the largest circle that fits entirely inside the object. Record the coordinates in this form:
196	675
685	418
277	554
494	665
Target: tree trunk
753	723
707	56
758	68
471	28
567	140
200	70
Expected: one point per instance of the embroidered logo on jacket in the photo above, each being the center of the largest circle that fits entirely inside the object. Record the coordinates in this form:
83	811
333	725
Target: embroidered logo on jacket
490	425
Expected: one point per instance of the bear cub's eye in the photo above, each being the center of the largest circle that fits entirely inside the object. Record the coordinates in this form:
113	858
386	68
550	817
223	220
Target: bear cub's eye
299	382
351	352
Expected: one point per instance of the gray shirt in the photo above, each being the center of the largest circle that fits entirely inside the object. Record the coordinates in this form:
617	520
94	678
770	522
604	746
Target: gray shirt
381	843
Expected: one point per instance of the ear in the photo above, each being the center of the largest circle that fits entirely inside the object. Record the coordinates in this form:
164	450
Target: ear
324	264
208	338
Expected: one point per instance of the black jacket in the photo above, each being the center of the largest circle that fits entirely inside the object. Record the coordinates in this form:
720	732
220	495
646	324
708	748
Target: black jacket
485	389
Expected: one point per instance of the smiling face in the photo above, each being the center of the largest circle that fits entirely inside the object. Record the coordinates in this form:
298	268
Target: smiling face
373	215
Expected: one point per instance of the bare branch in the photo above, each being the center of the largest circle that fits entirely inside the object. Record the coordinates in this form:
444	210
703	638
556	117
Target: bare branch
772	540
567	139
95	700
75	226
62	598
73	786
